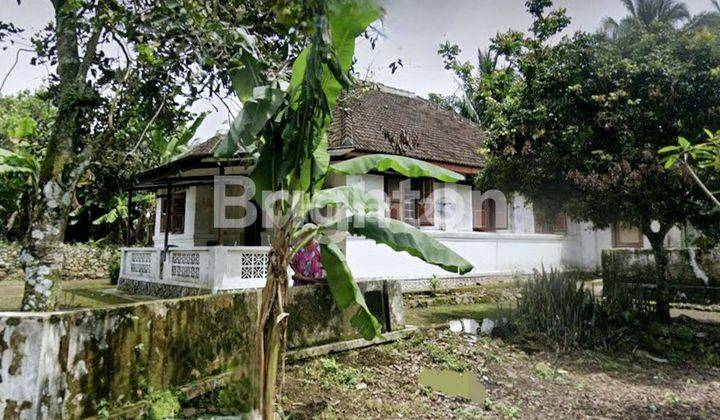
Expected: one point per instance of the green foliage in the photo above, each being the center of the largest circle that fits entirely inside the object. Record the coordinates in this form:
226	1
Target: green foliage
555	307
235	398
114	269
329	373
163	405
353	199
411	168
346	291
446	358
578	126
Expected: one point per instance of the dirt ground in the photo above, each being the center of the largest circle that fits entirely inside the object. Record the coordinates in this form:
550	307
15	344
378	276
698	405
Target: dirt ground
382	382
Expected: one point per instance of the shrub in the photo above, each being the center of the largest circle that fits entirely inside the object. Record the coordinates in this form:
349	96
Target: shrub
555	306
165	404
552	304
114	270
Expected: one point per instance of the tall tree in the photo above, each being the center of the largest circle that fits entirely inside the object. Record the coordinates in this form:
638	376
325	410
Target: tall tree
172	53
580	127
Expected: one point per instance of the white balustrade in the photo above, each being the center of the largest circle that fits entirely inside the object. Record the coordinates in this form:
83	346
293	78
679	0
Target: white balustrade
214	268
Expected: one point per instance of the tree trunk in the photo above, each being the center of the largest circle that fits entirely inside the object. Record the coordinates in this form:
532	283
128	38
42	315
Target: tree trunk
61	168
662	289
272	327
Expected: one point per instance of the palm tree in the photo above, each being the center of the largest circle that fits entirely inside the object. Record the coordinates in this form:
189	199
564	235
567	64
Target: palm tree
706	19
645	13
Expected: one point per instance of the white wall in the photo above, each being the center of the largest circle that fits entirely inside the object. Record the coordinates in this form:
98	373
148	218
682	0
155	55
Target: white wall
517	249
490	253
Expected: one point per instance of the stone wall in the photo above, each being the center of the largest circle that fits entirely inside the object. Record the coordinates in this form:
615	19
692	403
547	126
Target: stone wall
694	275
81	261
72	364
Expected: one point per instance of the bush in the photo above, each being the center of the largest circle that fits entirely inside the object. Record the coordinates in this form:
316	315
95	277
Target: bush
114	270
555	306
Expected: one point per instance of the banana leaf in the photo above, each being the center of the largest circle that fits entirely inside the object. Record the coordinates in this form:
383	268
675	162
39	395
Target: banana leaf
354	199
402	237
409	167
346	292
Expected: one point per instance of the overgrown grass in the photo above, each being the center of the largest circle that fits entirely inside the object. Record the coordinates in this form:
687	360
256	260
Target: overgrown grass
554	305
329	373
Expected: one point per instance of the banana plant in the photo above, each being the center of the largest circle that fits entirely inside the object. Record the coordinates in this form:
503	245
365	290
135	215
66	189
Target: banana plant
283	125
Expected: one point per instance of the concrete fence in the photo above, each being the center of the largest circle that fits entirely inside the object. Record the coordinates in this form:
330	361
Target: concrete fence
694	275
72	364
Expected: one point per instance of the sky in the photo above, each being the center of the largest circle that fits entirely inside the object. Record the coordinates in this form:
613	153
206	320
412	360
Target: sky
411	31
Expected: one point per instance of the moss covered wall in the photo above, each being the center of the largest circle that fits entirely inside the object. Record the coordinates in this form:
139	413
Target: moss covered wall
71	364
636	267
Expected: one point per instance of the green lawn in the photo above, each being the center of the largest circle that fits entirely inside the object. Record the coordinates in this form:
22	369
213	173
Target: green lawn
441	314
73	295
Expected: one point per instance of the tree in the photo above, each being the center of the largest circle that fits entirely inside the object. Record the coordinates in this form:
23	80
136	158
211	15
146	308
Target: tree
172	53
283	125
646	13
579	129
471	80
23	134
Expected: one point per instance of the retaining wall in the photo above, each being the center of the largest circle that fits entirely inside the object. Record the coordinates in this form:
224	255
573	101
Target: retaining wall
80	261
635	268
72	364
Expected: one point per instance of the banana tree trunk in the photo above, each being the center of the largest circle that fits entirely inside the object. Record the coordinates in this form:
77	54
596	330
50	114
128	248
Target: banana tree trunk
272	326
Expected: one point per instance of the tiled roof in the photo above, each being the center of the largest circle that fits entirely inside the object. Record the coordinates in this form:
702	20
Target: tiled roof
378	119
384	120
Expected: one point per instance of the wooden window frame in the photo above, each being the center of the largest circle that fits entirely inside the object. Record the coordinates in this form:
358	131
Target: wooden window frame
485	218
558	227
177	222
616	243
425	204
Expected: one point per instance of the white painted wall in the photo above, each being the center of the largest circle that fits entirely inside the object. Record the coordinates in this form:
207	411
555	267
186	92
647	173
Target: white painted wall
490	253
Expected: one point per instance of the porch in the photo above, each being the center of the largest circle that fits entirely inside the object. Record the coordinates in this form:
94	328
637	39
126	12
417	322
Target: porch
209	269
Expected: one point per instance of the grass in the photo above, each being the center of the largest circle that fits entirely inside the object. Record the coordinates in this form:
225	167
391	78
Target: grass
73	295
442	314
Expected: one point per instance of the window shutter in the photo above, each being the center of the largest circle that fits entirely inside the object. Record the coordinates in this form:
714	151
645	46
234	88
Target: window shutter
393	196
163	213
560	225
177	222
424	205
501	215
479	218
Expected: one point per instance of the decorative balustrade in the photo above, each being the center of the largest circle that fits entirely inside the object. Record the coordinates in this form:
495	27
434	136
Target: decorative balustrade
140	263
213	268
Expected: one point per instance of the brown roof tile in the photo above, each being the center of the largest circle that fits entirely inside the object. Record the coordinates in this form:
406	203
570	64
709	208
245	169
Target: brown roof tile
385	120
377	119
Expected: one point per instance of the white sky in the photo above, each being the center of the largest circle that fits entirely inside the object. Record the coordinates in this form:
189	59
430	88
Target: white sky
413	30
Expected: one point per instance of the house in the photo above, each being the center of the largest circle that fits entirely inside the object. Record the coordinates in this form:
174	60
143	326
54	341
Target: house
499	234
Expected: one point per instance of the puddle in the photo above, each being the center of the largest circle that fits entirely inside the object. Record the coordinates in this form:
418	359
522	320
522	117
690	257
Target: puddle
456	384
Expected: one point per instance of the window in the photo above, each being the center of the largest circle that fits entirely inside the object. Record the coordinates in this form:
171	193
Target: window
485	215
424	205
559	225
410	200
177	221
626	237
